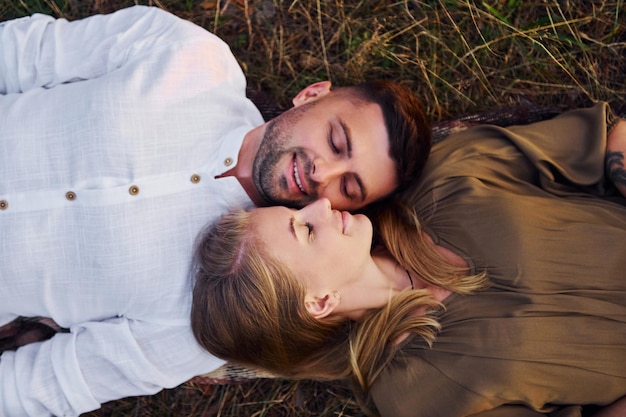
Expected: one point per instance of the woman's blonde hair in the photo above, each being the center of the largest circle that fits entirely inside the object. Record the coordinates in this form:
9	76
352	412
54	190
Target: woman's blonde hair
248	308
400	232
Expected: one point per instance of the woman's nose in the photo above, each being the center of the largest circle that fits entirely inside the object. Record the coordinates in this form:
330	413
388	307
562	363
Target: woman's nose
319	208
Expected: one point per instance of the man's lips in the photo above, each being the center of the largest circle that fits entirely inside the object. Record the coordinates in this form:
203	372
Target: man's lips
297	176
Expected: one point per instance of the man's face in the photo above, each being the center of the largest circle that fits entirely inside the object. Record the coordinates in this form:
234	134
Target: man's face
328	148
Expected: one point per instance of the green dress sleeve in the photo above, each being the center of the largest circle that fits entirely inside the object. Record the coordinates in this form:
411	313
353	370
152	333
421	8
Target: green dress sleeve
561	155
568	151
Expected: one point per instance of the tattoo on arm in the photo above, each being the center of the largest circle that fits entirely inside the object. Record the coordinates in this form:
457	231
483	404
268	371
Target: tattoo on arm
614	163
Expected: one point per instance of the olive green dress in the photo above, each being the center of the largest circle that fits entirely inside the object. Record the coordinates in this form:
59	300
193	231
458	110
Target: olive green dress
532	207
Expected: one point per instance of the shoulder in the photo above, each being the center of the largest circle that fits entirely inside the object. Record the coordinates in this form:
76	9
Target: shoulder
412	386
154	21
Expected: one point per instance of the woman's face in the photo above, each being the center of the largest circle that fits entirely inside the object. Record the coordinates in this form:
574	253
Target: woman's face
321	246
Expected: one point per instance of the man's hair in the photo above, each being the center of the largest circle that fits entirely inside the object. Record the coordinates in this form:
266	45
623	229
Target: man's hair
408	126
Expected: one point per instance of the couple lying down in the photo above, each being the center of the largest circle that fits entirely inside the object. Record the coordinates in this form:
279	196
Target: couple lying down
493	287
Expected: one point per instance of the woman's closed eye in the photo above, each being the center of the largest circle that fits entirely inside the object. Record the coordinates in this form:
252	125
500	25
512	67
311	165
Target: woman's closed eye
293	224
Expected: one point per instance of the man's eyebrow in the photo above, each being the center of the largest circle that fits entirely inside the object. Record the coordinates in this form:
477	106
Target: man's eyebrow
348	135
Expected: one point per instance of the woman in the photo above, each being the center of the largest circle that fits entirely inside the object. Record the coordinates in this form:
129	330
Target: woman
507	299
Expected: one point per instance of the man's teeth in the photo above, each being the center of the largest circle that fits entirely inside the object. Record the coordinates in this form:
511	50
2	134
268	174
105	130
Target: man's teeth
297	177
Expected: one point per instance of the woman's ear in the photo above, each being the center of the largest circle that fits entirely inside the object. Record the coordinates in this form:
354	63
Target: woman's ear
320	307
312	93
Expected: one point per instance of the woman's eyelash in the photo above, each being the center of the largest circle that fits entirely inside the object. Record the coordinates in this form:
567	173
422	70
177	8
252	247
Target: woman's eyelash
309	226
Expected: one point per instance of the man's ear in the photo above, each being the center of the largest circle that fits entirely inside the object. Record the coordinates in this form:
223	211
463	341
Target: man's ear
321	307
312	93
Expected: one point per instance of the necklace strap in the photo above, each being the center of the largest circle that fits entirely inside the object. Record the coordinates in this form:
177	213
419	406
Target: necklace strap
408	274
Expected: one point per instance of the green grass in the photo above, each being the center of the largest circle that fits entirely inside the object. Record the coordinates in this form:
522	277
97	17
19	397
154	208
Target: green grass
458	56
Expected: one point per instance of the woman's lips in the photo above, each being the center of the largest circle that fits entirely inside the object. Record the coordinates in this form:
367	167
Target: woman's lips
345	218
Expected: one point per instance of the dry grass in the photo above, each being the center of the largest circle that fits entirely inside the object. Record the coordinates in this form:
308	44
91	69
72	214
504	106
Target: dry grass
257	398
459	56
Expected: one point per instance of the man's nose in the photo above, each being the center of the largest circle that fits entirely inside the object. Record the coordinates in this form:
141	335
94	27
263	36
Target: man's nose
325	171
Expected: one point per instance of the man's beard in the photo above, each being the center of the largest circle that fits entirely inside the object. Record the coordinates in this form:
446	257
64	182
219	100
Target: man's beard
272	149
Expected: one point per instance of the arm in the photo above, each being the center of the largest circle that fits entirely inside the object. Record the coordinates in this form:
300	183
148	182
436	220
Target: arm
568	151
509	411
616	409
40	51
512	410
615	151
75	372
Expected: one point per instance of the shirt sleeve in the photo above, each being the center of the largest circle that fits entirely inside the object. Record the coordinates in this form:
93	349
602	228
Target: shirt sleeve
563	156
42	52
567	151
96	362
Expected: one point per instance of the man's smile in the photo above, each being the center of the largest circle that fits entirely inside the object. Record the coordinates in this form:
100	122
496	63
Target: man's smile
297	175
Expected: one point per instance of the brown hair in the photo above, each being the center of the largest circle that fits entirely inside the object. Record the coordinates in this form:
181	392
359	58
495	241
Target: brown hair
248	308
408	126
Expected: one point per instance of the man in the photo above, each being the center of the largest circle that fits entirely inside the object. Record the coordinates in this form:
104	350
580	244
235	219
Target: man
122	136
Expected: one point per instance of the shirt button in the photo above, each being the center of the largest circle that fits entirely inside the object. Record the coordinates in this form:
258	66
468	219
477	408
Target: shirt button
195	178
70	195
228	161
133	190
4	204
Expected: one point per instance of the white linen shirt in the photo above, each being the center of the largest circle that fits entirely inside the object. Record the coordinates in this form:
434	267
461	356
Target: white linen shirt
112	131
